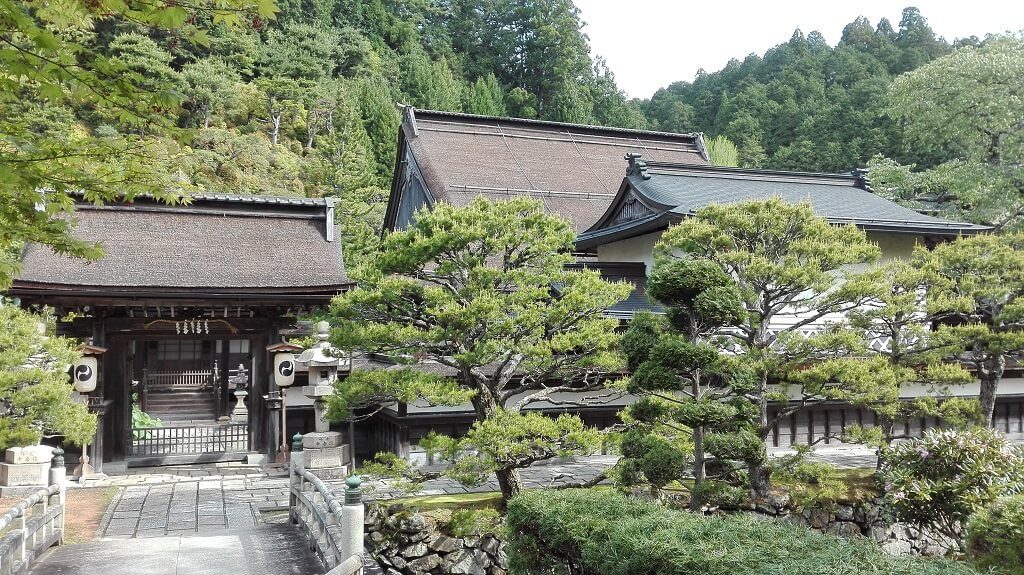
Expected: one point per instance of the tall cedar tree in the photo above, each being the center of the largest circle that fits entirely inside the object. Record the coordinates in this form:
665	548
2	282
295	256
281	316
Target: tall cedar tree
791	268
689	388
976	285
483	293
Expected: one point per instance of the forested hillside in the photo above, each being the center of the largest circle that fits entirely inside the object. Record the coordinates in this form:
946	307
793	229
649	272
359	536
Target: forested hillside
806	105
305	103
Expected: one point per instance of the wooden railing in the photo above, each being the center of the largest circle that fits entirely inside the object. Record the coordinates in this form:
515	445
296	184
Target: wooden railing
179	379
334	530
34	524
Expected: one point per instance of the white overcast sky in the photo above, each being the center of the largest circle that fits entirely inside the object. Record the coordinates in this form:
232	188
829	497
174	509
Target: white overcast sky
651	43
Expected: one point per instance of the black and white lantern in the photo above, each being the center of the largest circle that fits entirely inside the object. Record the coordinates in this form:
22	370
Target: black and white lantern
284	363
84	371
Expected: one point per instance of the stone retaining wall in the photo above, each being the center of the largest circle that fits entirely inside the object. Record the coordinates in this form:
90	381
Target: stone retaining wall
408	543
405	542
858	519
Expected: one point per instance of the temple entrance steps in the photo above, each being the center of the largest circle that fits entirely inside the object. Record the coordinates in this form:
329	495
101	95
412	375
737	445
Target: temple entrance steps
182	405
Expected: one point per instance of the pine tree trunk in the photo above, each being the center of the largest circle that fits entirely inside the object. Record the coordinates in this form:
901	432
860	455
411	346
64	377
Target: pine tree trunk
990	372
698	466
987	398
759	474
510	483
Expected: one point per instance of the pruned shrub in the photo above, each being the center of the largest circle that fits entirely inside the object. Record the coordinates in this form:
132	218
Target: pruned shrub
939	481
995	535
587	532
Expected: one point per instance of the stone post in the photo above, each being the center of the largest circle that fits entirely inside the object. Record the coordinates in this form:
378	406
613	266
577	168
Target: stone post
58	476
352	519
294	480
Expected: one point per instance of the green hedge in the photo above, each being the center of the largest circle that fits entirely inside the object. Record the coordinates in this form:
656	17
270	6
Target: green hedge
606	533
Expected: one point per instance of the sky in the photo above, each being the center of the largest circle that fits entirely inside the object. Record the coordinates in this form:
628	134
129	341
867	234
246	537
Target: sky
649	44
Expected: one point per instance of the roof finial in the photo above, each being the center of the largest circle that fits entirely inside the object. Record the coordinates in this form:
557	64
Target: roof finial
862	175
636	167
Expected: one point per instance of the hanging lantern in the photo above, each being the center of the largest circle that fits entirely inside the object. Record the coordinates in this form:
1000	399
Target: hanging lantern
84	371
284	363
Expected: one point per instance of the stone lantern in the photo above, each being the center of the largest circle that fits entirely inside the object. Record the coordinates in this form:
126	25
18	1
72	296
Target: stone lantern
324	453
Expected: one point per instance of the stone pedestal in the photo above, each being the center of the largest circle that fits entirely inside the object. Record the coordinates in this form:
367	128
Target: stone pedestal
324	455
240	414
25	469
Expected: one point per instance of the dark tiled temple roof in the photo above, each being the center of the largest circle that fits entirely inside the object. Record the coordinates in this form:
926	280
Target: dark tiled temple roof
657	194
574	169
222	242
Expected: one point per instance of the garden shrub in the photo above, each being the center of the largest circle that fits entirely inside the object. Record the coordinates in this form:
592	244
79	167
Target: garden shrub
939	481
721	494
995	535
473	522
588	532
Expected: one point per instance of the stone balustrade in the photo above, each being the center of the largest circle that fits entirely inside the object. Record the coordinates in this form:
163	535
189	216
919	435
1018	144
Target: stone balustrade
35	523
334	529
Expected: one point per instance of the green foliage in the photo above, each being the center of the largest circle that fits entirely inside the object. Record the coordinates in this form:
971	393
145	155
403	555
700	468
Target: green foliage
942	479
509	440
606	533
35	388
723	152
805	105
782	266
808	483
965	110
86	112
995	536
718	493
978	283
474	522
482	291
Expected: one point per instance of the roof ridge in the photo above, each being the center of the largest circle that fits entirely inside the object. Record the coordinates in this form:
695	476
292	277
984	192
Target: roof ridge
423	114
673	168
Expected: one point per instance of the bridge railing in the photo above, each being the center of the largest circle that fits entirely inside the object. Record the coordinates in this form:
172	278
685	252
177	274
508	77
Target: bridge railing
334	529
35	523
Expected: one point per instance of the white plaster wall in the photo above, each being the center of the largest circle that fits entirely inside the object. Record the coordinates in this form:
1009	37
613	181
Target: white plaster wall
638	249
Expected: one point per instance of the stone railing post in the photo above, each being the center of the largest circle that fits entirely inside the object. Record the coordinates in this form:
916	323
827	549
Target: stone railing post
295	479
352	519
59	477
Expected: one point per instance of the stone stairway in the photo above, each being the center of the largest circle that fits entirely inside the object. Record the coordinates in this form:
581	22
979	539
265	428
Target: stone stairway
182	405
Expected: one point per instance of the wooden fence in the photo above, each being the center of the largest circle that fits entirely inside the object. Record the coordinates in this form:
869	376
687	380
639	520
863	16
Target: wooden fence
34	524
190	440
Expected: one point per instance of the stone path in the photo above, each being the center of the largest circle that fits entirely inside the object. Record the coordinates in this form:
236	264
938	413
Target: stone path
213	518
844	456
186	500
263	550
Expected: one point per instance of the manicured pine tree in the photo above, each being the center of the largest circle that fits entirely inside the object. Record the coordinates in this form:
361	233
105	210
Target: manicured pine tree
789	266
976	286
693	396
482	291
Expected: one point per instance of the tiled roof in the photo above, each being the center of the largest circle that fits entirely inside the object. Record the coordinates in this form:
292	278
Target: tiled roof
574	169
632	272
216	241
669	192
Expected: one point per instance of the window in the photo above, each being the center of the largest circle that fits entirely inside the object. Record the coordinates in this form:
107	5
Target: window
179	350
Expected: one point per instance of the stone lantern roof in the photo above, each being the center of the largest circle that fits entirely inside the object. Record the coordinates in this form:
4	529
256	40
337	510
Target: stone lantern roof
319	355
